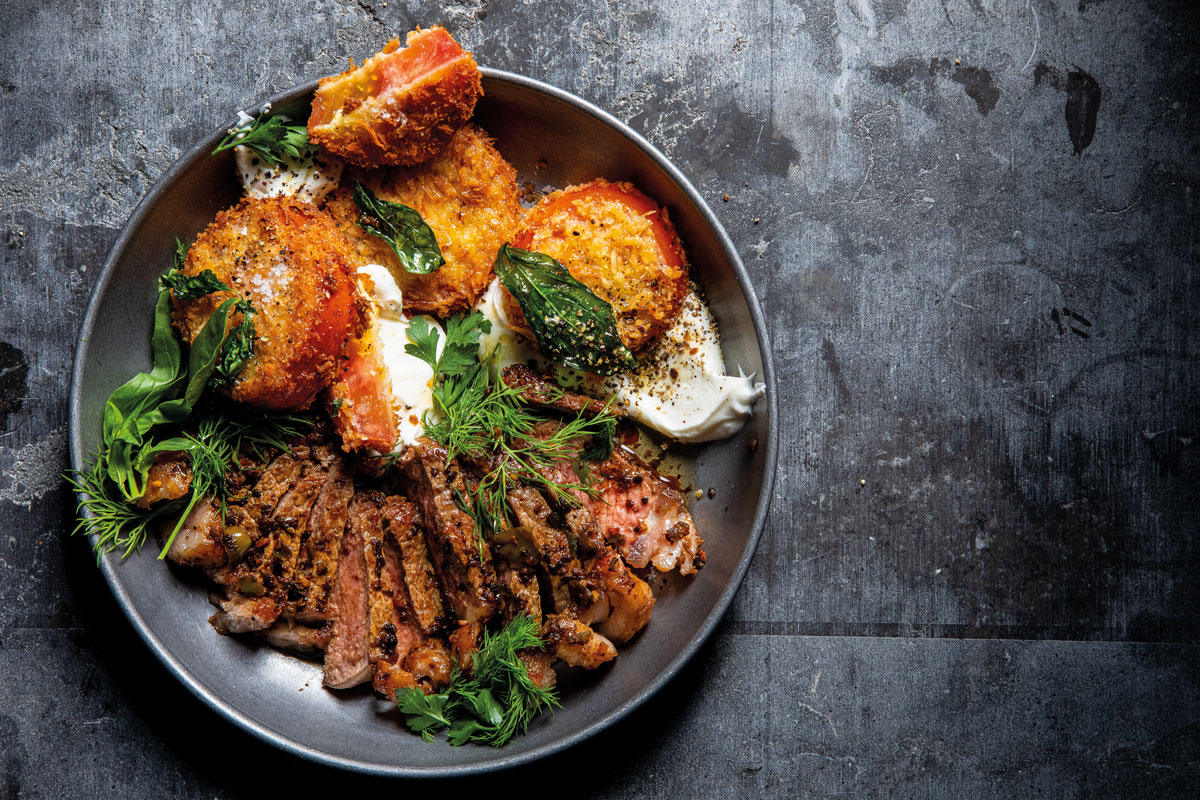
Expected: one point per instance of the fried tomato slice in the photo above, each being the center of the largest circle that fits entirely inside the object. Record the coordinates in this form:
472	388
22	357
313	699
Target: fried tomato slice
293	264
619	243
401	106
469	197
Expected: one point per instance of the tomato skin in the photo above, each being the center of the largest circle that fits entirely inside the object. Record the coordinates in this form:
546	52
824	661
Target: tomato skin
628	195
364	415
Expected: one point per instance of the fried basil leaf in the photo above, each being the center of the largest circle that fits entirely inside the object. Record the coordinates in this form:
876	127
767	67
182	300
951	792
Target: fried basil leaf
409	236
572	325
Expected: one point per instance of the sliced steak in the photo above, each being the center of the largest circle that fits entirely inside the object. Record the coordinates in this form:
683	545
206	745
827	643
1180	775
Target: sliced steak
520	591
640	512
564	574
289	524
462	562
201	540
538	390
392	633
347	656
424	595
252	600
316	564
576	643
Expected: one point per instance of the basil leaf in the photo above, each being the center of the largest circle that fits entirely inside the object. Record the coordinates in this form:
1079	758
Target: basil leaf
409	236
202	362
238	349
191	287
572	325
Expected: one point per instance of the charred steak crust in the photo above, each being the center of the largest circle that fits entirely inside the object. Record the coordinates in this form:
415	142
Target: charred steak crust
468	579
424	595
320	546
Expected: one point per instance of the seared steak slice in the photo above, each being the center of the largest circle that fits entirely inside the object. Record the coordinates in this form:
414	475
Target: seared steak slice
628	597
461	559
640	512
316	564
252	602
564	574
423	591
201	540
392	634
538	390
520	591
347	657
575	643
289	523
299	639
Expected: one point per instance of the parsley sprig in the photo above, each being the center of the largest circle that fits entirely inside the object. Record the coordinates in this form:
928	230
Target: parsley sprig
270	137
479	416
495	702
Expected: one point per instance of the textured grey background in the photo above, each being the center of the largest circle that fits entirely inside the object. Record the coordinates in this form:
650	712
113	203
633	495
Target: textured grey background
979	576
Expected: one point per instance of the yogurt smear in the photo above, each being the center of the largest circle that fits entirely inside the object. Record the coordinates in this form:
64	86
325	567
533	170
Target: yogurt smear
679	387
310	177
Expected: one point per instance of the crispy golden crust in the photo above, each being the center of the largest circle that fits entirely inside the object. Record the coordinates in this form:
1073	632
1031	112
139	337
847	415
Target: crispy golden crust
470	199
371	124
293	265
620	244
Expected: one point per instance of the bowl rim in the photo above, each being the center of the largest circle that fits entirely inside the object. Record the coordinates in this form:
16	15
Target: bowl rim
212	699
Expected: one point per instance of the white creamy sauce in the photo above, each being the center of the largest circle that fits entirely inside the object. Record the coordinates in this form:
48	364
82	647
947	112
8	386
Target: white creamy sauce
679	387
411	378
513	349
310	177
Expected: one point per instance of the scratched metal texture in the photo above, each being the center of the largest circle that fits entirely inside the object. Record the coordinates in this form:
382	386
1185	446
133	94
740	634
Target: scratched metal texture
972	225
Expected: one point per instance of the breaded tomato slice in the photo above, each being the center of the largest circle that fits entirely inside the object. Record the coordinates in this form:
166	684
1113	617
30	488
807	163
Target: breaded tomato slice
620	244
292	263
401	106
469	197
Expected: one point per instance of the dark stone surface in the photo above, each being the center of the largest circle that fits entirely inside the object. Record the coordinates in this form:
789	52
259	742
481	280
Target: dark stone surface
972	227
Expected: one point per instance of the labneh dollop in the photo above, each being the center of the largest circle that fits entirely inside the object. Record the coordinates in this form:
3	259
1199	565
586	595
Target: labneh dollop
410	377
310	177
679	387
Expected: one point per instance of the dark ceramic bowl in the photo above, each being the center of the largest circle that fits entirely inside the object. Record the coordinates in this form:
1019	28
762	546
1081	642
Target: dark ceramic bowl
256	687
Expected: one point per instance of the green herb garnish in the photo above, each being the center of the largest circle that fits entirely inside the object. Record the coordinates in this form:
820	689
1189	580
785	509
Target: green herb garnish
478	415
270	137
572	325
496	702
138	412
409	236
238	347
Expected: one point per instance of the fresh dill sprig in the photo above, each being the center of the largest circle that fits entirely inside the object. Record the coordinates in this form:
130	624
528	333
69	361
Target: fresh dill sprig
104	512
479	416
270	137
496	702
